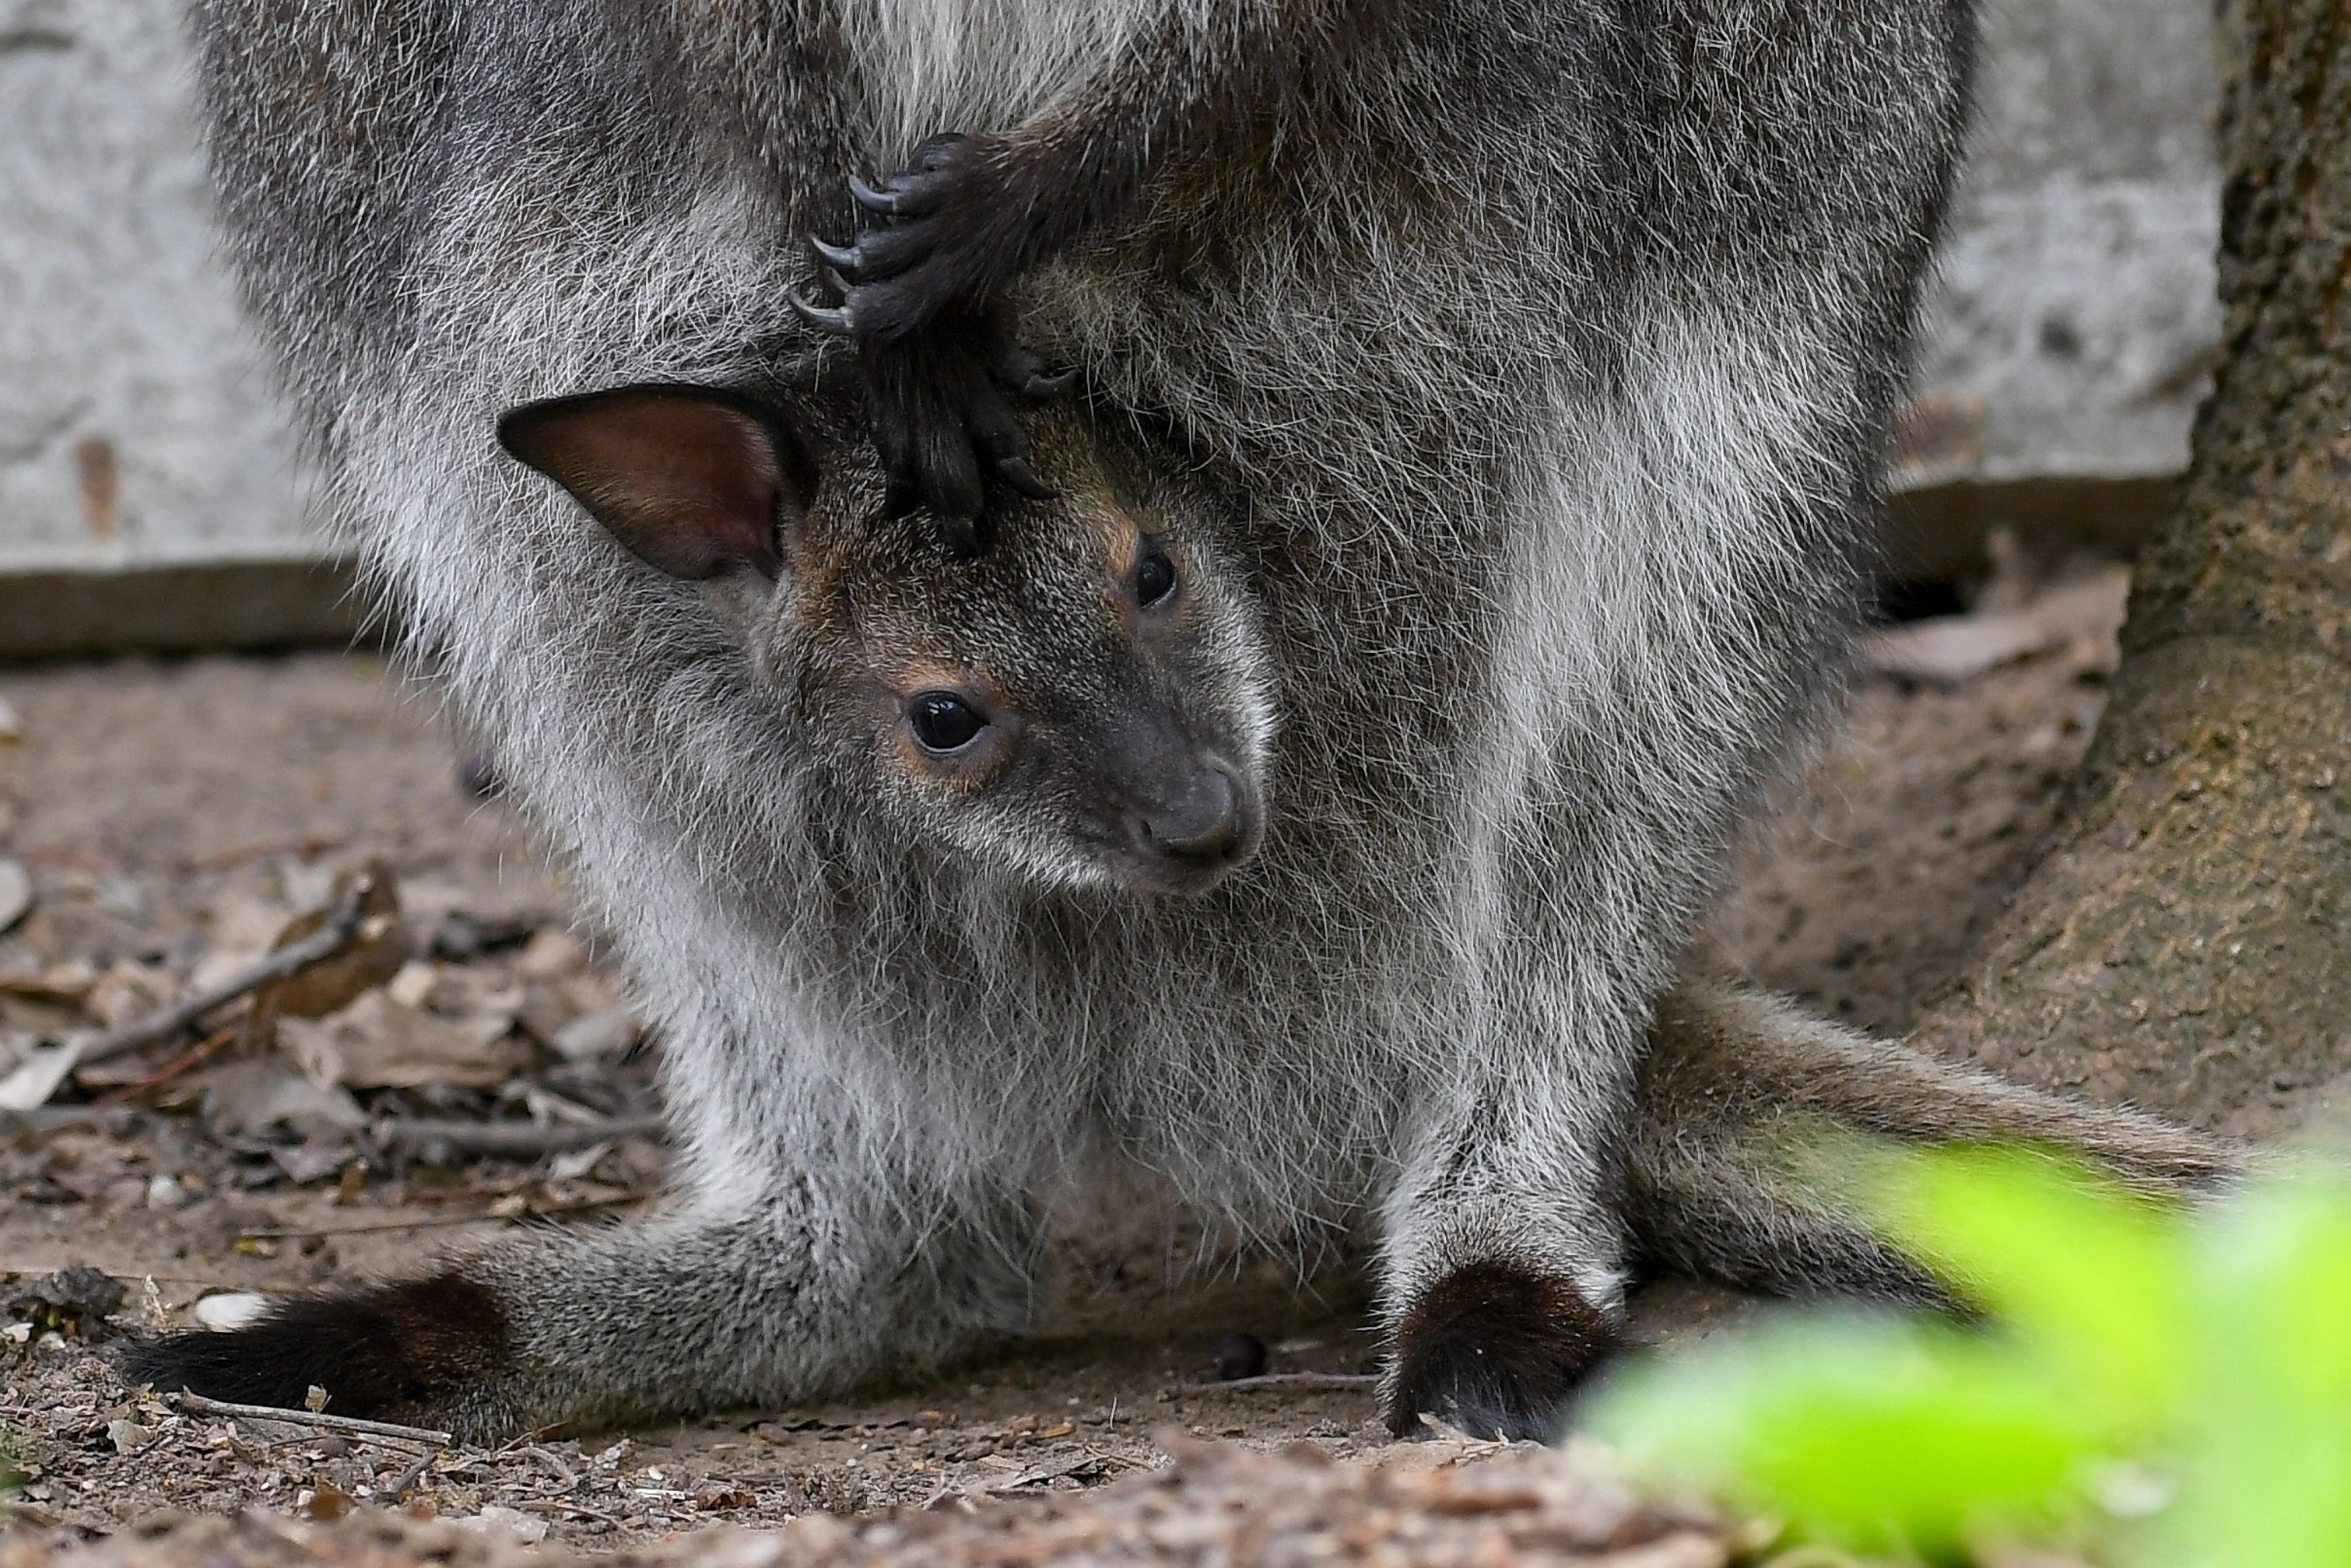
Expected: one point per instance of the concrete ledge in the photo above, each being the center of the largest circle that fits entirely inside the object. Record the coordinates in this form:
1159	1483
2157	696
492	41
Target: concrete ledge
1937	533
195	608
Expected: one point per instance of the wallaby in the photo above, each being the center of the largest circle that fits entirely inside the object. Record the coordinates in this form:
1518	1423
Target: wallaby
1087	708
1534	360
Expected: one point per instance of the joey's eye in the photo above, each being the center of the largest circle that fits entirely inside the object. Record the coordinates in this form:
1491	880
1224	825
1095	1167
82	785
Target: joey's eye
1155	579
943	721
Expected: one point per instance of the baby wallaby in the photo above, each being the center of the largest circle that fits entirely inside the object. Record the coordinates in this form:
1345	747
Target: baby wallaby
1063	884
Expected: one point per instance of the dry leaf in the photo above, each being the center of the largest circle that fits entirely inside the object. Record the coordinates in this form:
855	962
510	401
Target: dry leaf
247	1096
372	959
128	991
376	1043
60	985
31	1082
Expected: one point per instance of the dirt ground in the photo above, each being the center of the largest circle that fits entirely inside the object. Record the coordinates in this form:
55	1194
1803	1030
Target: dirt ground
172	819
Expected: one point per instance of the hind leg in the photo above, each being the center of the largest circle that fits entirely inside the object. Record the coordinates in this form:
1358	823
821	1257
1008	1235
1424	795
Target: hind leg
1504	1258
824	1281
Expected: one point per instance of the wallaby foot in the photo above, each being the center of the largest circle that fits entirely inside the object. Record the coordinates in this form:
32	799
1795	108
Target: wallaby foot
1493	1350
398	1352
671	1316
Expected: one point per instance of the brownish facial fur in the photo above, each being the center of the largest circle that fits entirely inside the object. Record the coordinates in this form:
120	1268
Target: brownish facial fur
1093	701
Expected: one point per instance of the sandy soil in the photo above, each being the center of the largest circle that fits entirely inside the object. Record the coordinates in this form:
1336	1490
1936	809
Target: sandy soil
173	816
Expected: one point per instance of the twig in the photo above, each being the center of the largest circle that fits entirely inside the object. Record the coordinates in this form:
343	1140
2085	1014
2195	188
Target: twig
563	1472
1285	1380
557	1505
434	1221
1052	1470
342	924
515	1137
210	1047
410	1476
196	1403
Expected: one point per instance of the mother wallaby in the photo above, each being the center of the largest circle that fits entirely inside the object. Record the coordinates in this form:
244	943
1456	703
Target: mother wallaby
1301	783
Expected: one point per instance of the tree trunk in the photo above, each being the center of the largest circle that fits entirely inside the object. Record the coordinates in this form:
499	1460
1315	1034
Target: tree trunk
2185	939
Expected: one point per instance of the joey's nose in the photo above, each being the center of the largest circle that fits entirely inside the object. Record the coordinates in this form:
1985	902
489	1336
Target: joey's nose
1203	822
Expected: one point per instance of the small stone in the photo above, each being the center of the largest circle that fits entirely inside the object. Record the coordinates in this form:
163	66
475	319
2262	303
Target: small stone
525	1527
165	1192
12	725
15	892
605	1036
413	985
550	956
231	1310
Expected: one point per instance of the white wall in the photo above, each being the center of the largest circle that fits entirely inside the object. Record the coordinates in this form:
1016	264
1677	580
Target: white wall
2075	305
2067	329
136	426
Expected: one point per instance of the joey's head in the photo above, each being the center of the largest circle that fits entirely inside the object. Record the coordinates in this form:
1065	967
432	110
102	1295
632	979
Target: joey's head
1082	692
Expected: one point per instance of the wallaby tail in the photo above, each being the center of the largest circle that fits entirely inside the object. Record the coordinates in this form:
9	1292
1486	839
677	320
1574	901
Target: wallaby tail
1734	1075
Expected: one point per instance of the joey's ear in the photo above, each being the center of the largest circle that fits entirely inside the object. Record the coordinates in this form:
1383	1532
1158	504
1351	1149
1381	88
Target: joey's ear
692	480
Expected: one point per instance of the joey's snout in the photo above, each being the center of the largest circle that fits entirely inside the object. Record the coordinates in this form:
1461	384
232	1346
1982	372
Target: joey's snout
1187	835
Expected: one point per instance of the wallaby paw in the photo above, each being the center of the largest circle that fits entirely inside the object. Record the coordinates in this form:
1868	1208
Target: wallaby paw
931	244
942	404
1494	1351
943	371
399	1351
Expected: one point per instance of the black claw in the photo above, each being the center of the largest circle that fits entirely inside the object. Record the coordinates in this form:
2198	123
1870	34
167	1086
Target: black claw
842	259
835	320
884	202
1016	472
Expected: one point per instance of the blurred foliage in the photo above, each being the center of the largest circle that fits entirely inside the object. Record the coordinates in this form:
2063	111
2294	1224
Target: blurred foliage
2149	1385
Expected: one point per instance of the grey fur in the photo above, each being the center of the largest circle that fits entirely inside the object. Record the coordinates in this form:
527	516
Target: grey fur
1537	357
1735	1082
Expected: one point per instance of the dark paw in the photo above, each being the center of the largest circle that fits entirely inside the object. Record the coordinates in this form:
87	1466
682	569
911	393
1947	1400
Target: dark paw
937	239
943	372
941	403
390	1351
1495	1351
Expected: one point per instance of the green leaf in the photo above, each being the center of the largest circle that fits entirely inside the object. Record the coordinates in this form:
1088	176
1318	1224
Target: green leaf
1878	1434
2092	1278
2266	1472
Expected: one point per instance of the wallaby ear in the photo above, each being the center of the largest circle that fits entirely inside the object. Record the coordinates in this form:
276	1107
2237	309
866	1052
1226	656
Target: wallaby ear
692	480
